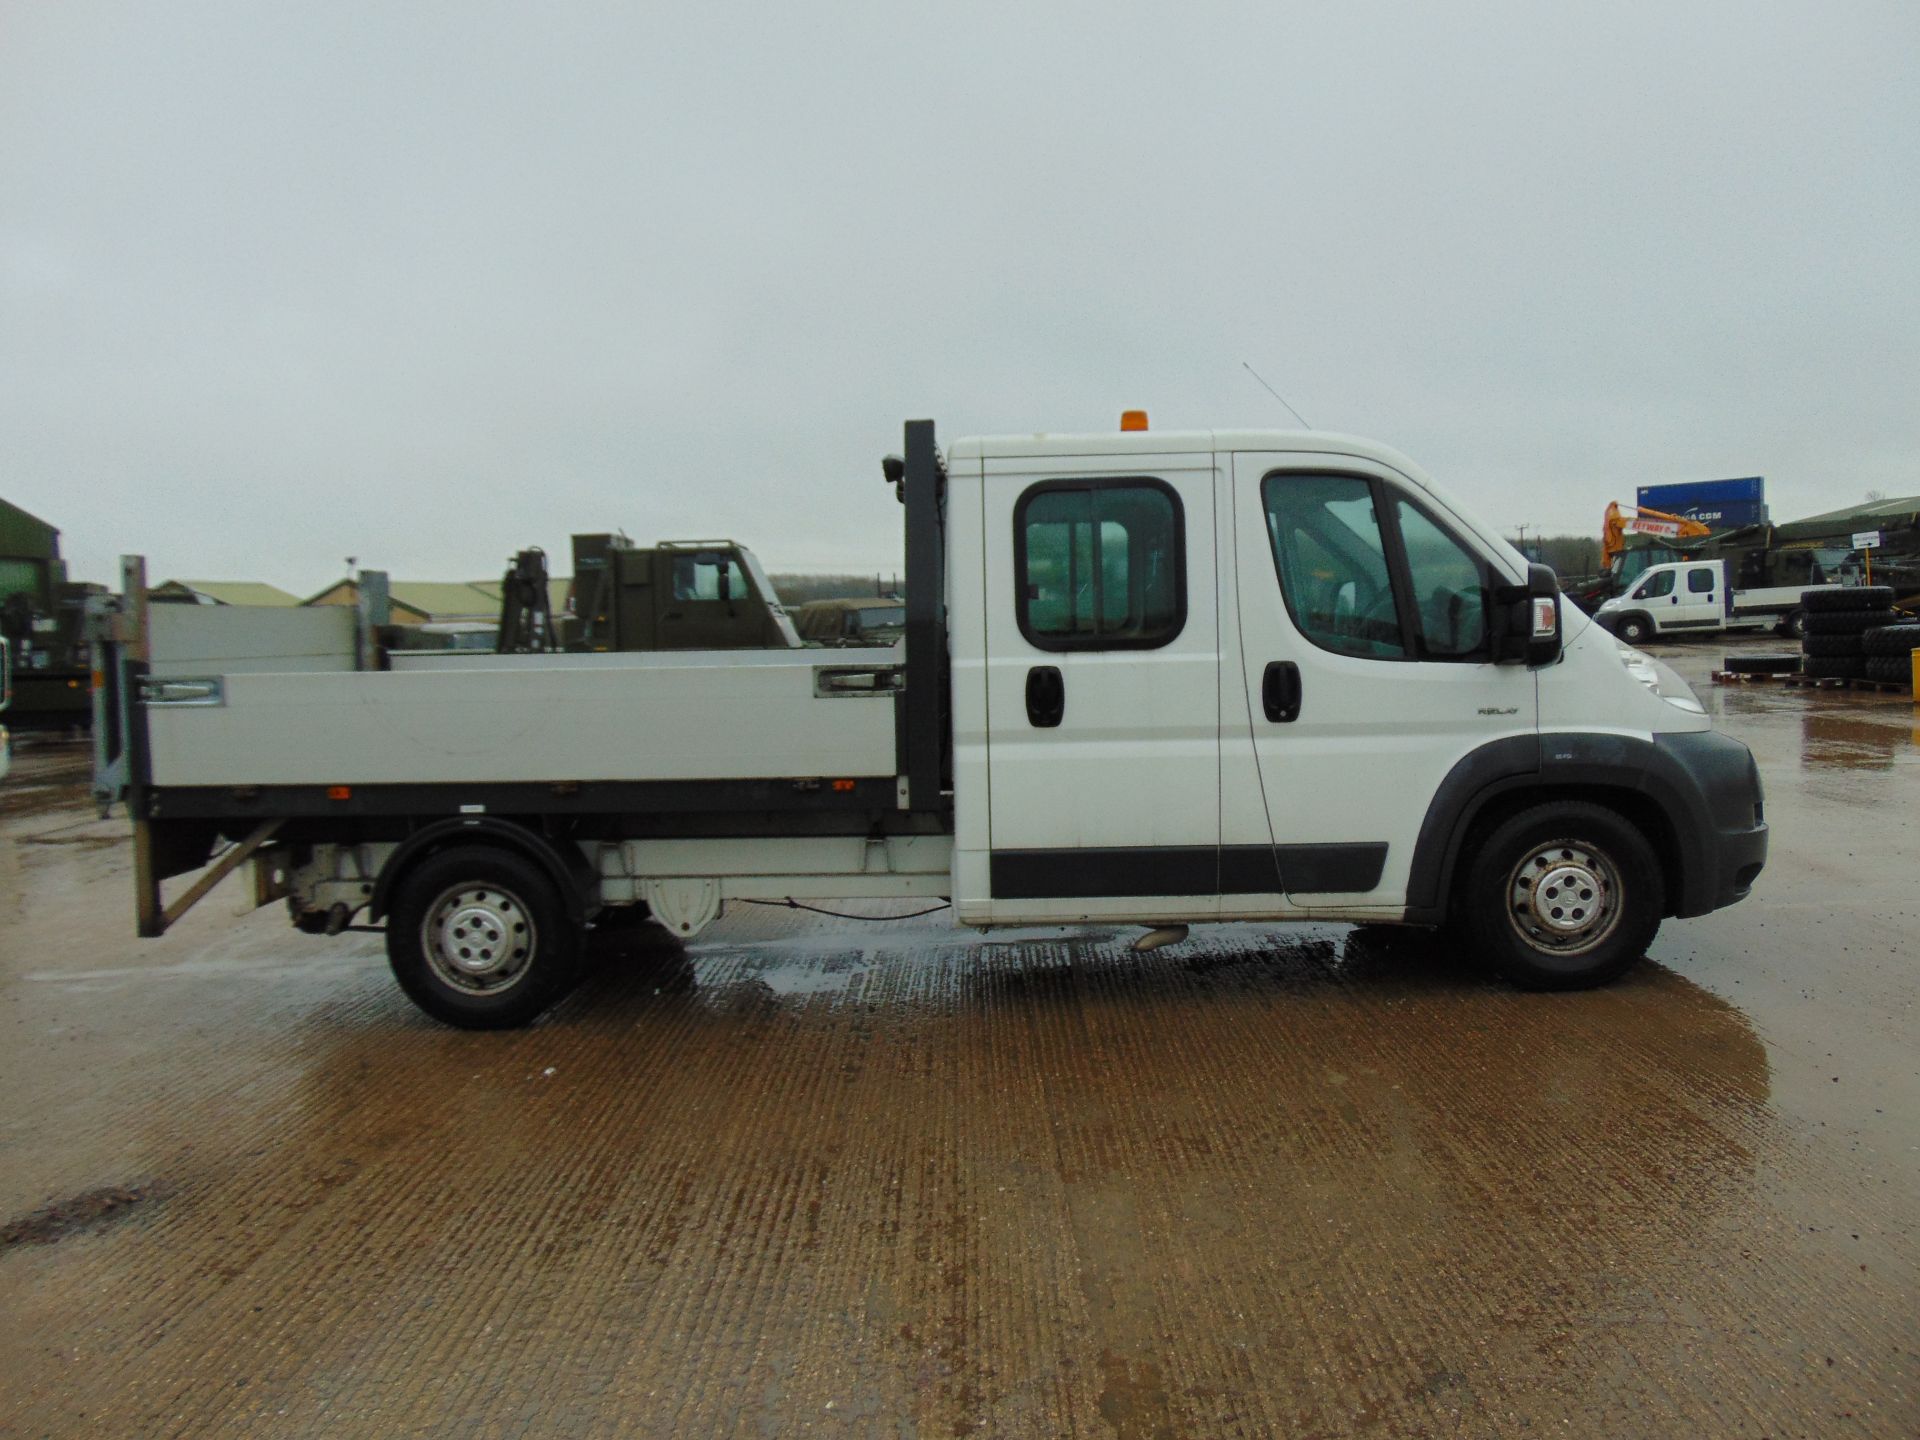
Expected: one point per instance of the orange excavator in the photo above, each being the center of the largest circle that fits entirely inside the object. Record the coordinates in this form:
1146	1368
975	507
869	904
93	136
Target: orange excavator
1619	565
1624	520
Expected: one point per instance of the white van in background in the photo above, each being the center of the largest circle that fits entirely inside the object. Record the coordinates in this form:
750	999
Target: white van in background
1685	597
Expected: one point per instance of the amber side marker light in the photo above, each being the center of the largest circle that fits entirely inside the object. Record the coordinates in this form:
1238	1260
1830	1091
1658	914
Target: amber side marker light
339	792
1133	419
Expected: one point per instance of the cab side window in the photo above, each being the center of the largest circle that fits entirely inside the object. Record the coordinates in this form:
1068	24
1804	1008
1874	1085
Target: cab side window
1699	582
1654	586
1099	564
698	577
1366	571
1332	558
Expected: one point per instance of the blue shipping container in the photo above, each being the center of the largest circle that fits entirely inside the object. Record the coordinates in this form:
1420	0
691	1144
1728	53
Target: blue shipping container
1723	504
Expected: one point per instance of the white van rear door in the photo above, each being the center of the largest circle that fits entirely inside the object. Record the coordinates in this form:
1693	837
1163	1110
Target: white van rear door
1367	664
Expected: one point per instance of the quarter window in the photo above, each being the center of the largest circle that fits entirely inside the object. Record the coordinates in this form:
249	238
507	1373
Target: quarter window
1099	564
1449	589
1699	582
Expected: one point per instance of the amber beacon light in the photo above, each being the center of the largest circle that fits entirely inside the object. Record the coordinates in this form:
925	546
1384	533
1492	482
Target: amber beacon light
1133	419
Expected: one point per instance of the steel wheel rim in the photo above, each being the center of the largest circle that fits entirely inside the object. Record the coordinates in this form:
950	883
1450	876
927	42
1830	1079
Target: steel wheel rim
479	938
1563	898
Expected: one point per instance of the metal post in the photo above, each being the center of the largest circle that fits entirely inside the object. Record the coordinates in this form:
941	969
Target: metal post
374	611
135	655
925	698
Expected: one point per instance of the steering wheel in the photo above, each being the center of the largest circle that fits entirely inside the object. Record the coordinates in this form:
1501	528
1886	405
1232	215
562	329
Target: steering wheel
1379	619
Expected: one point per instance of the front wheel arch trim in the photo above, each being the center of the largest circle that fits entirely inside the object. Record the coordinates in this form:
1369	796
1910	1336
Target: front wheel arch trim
1620	772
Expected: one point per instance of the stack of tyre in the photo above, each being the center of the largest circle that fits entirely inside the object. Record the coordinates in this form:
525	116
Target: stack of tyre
1889	649
1853	634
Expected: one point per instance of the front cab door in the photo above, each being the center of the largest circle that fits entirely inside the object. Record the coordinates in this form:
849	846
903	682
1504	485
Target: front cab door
1367	659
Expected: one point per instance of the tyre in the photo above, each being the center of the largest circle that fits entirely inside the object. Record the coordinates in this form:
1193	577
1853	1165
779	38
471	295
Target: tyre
1634	629
1892	669
1793	624
1834	667
1845	622
1828	645
478	938
1563	896
1761	664
1891	640
1848	597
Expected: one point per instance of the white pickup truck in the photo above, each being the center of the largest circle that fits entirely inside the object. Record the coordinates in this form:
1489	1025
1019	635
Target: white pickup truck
1147	679
1686	597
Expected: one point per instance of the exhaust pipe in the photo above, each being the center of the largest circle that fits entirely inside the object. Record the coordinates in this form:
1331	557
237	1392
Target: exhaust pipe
1158	936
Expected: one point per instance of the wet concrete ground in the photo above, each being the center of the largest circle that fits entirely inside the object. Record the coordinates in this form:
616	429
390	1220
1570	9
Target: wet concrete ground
895	1179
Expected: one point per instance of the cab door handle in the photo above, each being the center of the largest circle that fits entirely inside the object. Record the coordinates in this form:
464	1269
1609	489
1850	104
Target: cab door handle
1280	692
1046	696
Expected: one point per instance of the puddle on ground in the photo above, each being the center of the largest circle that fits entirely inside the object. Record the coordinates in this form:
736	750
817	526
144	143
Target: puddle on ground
1857	741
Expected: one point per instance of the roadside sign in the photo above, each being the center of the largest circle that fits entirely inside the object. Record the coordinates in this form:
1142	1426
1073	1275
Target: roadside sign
1866	540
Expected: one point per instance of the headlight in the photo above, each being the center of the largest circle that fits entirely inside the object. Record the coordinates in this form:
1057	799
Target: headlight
1661	679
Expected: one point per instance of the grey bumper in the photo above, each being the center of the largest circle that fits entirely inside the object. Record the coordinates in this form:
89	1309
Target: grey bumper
1712	790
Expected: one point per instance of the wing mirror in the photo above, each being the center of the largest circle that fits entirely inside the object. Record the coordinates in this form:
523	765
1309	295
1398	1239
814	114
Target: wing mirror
1527	620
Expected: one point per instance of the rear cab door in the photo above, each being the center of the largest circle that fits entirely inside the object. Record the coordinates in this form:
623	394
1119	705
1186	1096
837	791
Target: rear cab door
1102	684
1700	596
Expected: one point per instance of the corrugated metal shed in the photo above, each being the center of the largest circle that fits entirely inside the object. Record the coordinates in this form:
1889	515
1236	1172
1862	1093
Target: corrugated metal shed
419	602
1901	513
1898	511
224	592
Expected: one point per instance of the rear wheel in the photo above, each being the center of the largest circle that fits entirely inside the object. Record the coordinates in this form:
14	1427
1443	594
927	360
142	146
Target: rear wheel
1793	624
478	938
1563	896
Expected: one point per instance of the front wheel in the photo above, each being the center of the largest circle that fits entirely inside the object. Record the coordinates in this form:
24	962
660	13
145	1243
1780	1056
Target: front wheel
1635	630
478	938
1563	896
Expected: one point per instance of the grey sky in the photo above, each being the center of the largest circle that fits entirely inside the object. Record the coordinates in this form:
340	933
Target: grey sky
426	283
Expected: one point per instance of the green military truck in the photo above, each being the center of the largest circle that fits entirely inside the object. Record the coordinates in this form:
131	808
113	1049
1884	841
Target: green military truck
849	621
676	595
41	616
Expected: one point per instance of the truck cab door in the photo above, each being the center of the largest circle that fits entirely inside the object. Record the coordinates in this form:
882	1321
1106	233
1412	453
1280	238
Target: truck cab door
1366	660
707	604
1657	594
1701	597
1102	681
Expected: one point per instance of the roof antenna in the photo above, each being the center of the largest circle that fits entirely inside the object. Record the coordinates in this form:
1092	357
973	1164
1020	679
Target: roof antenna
1278	396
